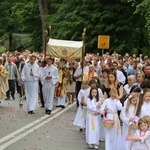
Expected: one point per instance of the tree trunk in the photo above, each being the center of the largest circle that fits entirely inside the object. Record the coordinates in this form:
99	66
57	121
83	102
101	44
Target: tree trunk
43	8
10	42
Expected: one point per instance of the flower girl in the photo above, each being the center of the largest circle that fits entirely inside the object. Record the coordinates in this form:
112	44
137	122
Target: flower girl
80	117
144	104
92	119
140	139
128	117
109	108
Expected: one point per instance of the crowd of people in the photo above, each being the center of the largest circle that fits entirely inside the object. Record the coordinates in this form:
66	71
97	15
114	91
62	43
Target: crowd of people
112	93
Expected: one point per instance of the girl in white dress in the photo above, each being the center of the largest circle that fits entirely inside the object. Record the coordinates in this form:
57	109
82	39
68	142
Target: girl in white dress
79	118
140	140
144	104
92	119
96	83
148	119
128	117
113	140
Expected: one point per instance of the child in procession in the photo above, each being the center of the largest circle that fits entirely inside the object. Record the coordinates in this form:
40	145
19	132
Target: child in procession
128	117
96	83
141	137
148	119
80	117
144	104
92	119
109	108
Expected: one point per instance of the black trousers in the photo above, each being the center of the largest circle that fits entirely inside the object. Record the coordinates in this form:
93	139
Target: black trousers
11	88
41	93
78	87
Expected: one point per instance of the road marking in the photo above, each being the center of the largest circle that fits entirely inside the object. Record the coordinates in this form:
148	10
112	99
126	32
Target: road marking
13	134
2	147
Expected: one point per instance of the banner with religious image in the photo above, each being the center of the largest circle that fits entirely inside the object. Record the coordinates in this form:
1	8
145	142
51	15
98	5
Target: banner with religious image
64	49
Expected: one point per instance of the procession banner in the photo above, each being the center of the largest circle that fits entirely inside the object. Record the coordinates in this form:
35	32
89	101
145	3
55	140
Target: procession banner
64	49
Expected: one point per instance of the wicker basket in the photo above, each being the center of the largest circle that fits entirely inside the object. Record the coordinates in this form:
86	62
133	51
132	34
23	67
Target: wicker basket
133	126
107	123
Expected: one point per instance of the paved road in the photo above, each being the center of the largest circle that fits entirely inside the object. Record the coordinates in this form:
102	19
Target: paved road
20	131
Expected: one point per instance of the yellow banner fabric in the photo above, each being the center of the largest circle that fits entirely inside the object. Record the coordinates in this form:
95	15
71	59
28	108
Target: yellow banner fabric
64	49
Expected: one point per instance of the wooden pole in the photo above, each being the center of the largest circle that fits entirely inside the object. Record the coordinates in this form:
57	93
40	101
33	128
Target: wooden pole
47	33
102	52
83	48
49	29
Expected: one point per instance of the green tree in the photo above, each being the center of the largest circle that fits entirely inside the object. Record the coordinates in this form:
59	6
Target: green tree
21	16
7	20
68	18
43	8
105	17
142	8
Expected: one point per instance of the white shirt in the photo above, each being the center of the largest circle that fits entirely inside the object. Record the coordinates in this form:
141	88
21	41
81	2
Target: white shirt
120	76
79	71
127	88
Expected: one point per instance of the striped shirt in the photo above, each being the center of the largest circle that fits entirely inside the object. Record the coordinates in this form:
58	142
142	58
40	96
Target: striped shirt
12	71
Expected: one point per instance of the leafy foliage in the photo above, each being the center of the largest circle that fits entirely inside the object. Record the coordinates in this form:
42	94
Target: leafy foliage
68	18
112	18
143	8
20	17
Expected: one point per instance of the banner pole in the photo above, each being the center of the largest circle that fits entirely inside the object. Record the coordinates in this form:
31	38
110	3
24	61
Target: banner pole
47	33
83	48
102	52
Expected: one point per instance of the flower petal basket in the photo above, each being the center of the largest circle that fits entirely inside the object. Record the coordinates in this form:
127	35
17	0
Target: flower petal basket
133	126
108	123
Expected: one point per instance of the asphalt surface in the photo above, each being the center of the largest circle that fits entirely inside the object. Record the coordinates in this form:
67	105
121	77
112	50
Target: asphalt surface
20	131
